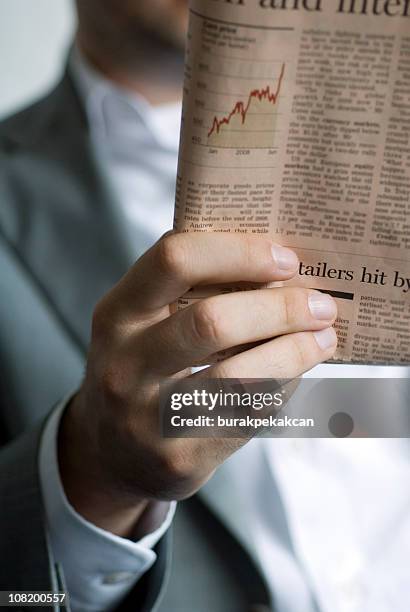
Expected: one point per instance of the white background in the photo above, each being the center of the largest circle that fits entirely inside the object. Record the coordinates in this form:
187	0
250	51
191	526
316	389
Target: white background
34	38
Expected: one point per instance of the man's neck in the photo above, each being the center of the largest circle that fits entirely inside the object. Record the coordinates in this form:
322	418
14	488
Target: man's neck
154	71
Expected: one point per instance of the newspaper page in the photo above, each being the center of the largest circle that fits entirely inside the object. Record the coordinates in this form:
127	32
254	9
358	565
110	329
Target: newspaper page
296	125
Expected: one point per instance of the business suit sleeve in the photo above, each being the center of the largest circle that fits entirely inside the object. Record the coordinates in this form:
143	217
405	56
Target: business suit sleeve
26	563
100	568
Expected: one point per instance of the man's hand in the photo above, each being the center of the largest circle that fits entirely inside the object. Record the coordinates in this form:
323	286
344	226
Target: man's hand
115	465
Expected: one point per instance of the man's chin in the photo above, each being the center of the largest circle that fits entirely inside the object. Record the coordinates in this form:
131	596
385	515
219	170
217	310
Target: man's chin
173	34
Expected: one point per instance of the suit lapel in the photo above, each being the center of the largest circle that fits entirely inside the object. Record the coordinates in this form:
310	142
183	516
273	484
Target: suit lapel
224	497
225	502
64	223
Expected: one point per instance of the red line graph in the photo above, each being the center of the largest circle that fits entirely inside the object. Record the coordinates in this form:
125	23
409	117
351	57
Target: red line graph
241	109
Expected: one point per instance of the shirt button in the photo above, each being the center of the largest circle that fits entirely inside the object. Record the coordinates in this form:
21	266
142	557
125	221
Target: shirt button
118	577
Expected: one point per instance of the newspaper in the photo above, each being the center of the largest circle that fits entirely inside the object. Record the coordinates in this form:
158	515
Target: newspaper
296	125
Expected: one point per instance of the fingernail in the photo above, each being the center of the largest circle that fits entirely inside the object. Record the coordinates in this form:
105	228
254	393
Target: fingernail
285	259
322	306
326	338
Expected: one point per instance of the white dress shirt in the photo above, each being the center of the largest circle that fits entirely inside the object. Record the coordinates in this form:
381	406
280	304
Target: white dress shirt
347	502
347	508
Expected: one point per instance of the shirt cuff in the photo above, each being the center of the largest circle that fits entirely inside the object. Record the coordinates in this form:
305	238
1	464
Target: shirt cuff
100	568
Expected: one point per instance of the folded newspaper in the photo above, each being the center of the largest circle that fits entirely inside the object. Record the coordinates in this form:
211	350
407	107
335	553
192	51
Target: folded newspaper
296	125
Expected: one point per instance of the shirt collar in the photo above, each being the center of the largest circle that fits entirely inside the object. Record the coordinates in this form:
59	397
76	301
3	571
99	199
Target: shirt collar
112	110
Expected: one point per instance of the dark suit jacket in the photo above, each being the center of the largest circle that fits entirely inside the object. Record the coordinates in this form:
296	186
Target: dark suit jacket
63	244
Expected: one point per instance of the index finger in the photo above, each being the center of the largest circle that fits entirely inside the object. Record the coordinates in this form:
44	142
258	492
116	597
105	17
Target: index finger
178	262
